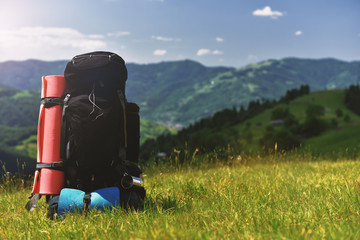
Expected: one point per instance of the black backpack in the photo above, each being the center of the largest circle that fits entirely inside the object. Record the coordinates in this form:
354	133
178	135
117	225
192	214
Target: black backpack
100	129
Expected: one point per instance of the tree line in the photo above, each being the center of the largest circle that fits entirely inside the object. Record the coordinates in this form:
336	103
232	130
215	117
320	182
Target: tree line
352	98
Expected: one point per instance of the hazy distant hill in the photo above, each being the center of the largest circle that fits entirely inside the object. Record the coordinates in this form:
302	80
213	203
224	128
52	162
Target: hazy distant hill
185	91
27	75
172	92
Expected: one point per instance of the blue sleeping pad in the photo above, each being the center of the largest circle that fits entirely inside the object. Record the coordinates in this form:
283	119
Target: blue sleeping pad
72	200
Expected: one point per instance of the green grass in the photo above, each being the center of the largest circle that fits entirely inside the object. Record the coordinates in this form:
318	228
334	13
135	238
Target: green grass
276	197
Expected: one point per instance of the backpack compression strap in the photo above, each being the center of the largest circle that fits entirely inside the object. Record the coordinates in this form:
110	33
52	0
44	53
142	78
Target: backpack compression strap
54	166
52	101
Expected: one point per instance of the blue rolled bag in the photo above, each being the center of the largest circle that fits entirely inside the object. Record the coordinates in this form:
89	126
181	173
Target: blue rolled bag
72	200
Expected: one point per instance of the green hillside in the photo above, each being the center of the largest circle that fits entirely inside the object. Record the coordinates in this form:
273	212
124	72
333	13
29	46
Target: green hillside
150	130
19	108
19	113
251	130
18	121
344	141
332	100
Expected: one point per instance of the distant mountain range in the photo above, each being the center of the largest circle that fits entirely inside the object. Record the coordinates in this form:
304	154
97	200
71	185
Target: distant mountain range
181	92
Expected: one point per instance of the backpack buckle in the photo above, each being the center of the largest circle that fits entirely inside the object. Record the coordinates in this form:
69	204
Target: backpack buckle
87	200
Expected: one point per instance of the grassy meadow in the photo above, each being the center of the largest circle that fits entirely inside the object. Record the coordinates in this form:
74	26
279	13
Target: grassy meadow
280	196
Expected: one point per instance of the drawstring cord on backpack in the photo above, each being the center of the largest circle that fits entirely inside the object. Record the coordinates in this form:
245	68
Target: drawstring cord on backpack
92	99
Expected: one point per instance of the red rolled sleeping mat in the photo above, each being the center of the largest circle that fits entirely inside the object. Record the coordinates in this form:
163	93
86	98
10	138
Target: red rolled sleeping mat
49	179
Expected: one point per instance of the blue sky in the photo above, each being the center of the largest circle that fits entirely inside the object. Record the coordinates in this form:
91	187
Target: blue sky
213	32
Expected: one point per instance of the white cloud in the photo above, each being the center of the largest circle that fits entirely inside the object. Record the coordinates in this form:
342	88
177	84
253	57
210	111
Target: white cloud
96	36
203	51
252	57
145	0
217	52
165	39
47	43
219	39
267	12
159	52
298	33
118	34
